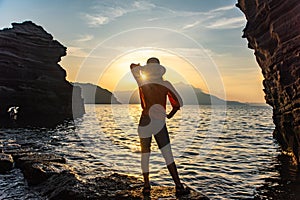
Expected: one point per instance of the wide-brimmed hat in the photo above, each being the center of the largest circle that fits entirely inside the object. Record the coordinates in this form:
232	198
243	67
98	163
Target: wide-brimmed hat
153	70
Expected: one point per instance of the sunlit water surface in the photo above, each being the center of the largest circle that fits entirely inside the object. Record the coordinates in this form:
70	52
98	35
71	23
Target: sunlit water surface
223	153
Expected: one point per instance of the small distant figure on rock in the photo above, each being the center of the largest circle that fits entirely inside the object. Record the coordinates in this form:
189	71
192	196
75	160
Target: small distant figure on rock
13	113
154	90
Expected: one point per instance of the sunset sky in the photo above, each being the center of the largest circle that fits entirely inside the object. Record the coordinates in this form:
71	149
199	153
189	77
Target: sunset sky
198	41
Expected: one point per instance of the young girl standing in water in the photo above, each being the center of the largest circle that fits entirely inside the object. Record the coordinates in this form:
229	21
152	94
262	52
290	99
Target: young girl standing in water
153	92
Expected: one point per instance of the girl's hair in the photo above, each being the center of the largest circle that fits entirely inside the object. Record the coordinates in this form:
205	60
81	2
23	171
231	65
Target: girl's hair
153	60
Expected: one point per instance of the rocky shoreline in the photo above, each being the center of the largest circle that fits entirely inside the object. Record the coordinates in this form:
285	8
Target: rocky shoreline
51	177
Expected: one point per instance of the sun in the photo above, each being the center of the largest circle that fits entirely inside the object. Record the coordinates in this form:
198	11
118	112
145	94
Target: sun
144	76
117	76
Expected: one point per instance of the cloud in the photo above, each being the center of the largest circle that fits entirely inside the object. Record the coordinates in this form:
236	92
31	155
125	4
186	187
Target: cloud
84	38
143	5
227	23
224	8
96	20
218	18
188	26
76	52
106	11
205	15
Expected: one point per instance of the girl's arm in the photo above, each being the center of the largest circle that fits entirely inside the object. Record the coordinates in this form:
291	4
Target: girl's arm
174	99
136	72
172	113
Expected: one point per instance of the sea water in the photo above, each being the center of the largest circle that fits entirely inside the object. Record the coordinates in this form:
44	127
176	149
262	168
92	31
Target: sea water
223	152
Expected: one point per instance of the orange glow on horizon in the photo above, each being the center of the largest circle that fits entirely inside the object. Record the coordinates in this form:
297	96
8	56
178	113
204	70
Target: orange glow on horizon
117	77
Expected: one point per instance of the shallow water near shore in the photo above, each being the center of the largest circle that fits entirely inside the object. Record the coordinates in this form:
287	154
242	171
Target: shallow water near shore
223	153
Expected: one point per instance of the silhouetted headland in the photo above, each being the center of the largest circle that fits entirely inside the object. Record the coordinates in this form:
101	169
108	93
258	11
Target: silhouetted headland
93	94
32	79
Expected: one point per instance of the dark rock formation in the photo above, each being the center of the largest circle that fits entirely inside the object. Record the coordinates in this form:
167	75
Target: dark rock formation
273	30
68	186
51	177
115	186
32	79
93	94
160	192
38	172
6	163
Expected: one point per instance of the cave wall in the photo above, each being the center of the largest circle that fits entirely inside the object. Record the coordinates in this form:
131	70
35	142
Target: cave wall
273	31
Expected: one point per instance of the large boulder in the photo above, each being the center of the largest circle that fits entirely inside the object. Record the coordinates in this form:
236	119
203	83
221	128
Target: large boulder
38	167
273	31
32	79
38	172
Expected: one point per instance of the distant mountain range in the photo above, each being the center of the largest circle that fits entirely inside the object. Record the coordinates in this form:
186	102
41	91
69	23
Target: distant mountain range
189	94
93	94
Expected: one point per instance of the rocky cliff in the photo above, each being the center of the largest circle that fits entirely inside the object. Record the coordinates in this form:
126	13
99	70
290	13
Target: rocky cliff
93	94
32	79
273	31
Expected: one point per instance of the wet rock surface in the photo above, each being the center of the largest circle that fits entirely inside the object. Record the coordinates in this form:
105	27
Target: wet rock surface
32	79
6	163
115	186
24	158
49	176
160	192
273	31
38	172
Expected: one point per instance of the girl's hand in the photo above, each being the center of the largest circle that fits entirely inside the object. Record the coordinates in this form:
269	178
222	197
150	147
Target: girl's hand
169	116
133	65
172	113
